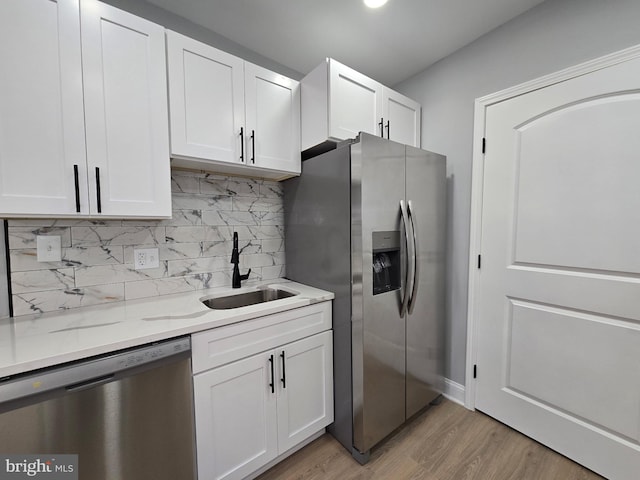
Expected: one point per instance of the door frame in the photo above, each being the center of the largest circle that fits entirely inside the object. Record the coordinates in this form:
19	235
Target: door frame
477	194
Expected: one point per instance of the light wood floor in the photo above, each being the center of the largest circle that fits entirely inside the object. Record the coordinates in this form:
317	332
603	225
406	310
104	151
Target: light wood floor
447	442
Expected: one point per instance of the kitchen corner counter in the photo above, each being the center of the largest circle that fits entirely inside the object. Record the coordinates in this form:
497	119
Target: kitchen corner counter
32	342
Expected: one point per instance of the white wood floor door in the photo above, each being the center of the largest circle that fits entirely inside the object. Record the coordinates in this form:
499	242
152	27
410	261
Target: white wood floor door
558	311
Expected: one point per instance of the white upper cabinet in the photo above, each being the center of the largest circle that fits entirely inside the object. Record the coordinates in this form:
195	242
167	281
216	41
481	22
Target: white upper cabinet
109	81
231	116
41	111
338	103
124	70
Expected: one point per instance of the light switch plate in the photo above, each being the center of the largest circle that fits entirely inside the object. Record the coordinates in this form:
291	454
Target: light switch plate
49	248
145	258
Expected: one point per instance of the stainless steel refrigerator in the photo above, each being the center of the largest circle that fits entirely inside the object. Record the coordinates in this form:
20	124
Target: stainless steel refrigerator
367	222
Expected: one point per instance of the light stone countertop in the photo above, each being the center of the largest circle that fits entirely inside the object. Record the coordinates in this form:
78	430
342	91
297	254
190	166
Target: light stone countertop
31	342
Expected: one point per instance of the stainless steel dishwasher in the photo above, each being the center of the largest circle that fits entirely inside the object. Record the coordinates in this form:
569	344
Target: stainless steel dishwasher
128	415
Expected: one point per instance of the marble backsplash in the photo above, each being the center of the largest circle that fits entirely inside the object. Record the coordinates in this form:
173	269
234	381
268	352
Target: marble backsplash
194	247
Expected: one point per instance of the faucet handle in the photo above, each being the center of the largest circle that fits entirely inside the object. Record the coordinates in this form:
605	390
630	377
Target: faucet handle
246	275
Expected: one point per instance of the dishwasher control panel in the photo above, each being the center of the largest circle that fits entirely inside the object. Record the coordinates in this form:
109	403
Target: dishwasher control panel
151	353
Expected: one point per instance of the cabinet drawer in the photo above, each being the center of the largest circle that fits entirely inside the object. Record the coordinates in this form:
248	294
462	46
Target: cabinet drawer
222	345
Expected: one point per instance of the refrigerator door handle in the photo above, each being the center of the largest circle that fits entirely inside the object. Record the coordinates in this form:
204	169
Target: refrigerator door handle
414	260
405	222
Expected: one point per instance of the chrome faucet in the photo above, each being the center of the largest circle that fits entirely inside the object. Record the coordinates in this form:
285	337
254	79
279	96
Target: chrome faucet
235	259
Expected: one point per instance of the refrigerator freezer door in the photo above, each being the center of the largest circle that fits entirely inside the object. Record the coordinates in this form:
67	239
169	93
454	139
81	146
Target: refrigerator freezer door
426	192
378	329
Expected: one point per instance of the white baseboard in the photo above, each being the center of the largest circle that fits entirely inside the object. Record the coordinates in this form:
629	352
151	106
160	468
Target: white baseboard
453	391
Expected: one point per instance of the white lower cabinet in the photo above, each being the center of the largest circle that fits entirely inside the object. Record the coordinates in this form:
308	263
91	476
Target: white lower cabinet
253	409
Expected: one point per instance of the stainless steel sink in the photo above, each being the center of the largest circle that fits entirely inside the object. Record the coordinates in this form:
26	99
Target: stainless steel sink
247	298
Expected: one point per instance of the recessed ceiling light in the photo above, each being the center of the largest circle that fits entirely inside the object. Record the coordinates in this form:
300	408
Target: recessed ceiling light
374	3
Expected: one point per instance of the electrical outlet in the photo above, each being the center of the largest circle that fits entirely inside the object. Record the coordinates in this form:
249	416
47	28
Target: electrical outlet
48	248
145	258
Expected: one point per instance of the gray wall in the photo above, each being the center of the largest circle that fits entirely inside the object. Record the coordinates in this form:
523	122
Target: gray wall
552	36
167	19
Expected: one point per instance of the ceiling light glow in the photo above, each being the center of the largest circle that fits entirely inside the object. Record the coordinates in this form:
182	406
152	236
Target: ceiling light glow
374	3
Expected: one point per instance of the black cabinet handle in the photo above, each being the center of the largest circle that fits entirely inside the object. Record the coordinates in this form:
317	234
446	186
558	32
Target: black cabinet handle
284	372
98	190
381	127
272	384
75	178
388	130
242	144
253	146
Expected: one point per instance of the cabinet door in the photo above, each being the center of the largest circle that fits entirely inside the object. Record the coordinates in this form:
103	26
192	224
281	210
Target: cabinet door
41	116
355	103
236	426
124	67
206	96
401	118
272	104
305	383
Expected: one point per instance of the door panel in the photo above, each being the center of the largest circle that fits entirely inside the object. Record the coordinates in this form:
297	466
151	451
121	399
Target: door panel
402	117
236	418
378	330
305	390
207	84
273	115
426	192
126	115
559	316
355	103
578	198
206	93
541	370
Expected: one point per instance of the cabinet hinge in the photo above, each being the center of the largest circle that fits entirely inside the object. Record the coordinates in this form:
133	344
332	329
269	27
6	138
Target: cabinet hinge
475	371
479	261
484	145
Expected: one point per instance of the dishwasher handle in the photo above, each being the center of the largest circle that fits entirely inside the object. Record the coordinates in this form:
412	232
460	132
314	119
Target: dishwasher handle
94	382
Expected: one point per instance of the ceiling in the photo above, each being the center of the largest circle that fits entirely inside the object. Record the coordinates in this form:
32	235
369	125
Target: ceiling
390	44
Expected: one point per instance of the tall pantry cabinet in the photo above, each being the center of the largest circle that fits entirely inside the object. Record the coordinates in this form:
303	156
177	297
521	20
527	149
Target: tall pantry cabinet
83	112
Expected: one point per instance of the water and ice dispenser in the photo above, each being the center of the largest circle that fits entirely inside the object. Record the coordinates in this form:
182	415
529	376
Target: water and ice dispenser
386	262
